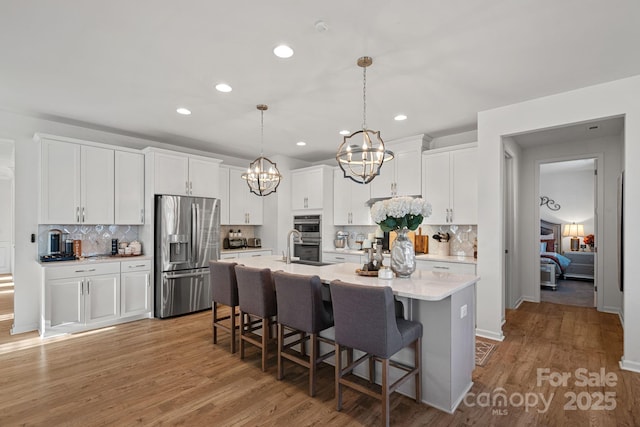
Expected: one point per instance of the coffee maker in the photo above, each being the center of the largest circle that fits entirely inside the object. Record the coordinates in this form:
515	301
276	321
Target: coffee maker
54	242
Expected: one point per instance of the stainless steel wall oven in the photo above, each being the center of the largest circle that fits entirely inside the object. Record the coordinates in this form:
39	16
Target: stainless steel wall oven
311	247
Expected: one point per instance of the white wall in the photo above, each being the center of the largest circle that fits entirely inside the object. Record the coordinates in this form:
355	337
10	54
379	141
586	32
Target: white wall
612	99
573	190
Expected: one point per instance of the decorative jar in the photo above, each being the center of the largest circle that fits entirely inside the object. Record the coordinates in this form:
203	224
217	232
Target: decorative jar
403	255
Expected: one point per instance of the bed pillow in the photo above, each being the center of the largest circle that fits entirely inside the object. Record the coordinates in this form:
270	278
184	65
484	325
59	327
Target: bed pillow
550	245
543	247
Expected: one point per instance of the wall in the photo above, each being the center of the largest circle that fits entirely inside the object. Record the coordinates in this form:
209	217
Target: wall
573	190
612	99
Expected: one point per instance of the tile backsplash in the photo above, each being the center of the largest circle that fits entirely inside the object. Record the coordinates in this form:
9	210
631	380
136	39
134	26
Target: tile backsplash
96	239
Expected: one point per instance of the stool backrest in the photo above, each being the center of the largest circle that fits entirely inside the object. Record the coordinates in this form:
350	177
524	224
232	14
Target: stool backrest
299	301
224	286
256	292
365	317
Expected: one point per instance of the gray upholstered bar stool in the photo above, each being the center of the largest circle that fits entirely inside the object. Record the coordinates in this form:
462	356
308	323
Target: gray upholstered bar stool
301	312
365	319
257	300
224	290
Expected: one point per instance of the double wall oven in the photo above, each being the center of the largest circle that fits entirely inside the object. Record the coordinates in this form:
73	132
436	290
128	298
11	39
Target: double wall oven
309	227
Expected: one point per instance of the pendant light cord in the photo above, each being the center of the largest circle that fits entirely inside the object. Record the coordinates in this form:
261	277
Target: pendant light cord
364	98
261	132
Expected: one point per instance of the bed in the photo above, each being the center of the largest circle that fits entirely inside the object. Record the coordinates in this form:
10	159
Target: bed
553	264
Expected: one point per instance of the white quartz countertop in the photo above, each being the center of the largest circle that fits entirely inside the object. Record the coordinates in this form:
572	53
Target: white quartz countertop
430	257
422	285
96	260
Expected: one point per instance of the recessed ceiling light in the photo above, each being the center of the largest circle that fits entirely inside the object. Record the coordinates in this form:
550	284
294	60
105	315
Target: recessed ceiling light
301	143
400	117
183	111
223	87
283	51
345	132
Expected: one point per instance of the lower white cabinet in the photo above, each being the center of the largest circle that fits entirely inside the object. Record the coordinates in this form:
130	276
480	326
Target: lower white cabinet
246	253
446	267
135	288
85	296
337	258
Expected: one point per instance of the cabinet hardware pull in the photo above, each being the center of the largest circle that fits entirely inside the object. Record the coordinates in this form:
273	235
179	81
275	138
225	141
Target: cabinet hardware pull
88	287
136	266
190	187
338	257
186	187
82	288
77	213
83	214
142	215
440	267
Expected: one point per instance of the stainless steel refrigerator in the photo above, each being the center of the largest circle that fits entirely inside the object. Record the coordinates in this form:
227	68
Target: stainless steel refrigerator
187	236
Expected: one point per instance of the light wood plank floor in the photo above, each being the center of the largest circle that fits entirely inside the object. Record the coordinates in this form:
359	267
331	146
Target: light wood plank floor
167	372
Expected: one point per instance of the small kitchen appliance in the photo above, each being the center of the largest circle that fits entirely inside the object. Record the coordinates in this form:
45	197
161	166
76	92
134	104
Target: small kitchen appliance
55	241
254	242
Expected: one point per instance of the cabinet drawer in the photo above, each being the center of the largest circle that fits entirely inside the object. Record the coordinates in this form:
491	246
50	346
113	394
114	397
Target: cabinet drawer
81	270
448	267
339	258
253	254
228	256
142	265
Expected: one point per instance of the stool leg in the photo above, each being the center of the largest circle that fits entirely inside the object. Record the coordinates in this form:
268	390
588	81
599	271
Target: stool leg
418	364
242	326
313	357
280	344
233	330
385	391
338	362
303	346
265	337
214	309
372	370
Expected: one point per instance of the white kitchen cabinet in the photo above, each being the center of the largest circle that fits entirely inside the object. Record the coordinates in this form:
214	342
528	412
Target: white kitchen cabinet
135	288
224	195
252	254
450	185
400	176
77	183
228	255
129	188
185	175
336	258
81	296
312	188
350	201
244	206
446	267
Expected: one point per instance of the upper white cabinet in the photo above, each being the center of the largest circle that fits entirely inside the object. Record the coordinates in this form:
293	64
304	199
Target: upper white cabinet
183	174
224	195
129	188
312	188
450	185
350	201
244	206
77	183
401	176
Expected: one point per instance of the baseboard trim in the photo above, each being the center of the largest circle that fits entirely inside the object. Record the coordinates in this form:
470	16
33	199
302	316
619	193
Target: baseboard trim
518	303
628	365
494	336
22	329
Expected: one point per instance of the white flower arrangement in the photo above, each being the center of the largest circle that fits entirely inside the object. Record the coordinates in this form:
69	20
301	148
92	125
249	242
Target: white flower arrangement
399	212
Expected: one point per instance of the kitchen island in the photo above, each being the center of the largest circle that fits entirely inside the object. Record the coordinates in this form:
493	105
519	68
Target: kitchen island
445	305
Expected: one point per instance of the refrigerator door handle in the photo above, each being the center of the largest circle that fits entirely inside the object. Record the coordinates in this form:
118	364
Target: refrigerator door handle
194	233
183	275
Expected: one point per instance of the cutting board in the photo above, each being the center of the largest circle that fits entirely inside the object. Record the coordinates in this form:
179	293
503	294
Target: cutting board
422	244
411	235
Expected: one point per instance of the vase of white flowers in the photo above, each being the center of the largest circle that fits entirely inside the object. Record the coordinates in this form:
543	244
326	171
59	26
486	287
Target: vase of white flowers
401	214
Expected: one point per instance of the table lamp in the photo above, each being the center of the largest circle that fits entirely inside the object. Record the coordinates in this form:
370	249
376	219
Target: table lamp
575	231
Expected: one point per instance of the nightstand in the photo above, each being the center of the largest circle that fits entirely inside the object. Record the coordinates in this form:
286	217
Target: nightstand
582	265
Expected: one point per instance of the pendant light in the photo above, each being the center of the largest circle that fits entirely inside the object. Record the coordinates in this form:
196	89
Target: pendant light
362	157
262	176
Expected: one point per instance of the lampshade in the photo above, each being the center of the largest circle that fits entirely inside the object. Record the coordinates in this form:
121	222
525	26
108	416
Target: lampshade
573	230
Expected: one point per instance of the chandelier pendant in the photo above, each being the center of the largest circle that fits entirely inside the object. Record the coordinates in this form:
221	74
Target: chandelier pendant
361	154
262	176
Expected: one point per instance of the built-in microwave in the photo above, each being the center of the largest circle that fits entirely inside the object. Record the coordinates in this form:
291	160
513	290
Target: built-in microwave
308	225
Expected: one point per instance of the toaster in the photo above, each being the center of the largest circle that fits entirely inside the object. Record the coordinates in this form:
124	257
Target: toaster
254	242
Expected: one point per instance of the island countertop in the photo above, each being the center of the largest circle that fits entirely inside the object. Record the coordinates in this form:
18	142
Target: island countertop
422	285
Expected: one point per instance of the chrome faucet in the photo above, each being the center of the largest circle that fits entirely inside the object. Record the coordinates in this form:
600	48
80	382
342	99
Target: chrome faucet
299	235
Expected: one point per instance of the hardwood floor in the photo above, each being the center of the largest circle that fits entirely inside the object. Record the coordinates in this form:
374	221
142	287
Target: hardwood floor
167	372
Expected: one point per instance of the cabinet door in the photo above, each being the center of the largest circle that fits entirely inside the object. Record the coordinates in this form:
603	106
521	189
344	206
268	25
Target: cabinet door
254	209
96	185
382	185
464	192
341	199
64	302
102	298
203	178
60	198
129	188
135	293
238	196
360	211
171	174
408	178
436	186
224	195
306	189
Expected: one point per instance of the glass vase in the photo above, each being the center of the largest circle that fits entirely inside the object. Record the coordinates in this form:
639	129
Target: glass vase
403	255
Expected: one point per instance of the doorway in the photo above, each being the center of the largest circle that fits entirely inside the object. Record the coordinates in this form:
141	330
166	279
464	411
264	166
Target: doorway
568	226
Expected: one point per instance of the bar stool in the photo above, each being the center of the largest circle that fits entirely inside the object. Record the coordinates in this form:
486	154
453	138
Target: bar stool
224	291
365	320
302	312
257	300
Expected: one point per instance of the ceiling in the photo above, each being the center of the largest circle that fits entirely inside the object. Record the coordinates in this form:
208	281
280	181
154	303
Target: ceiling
125	66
